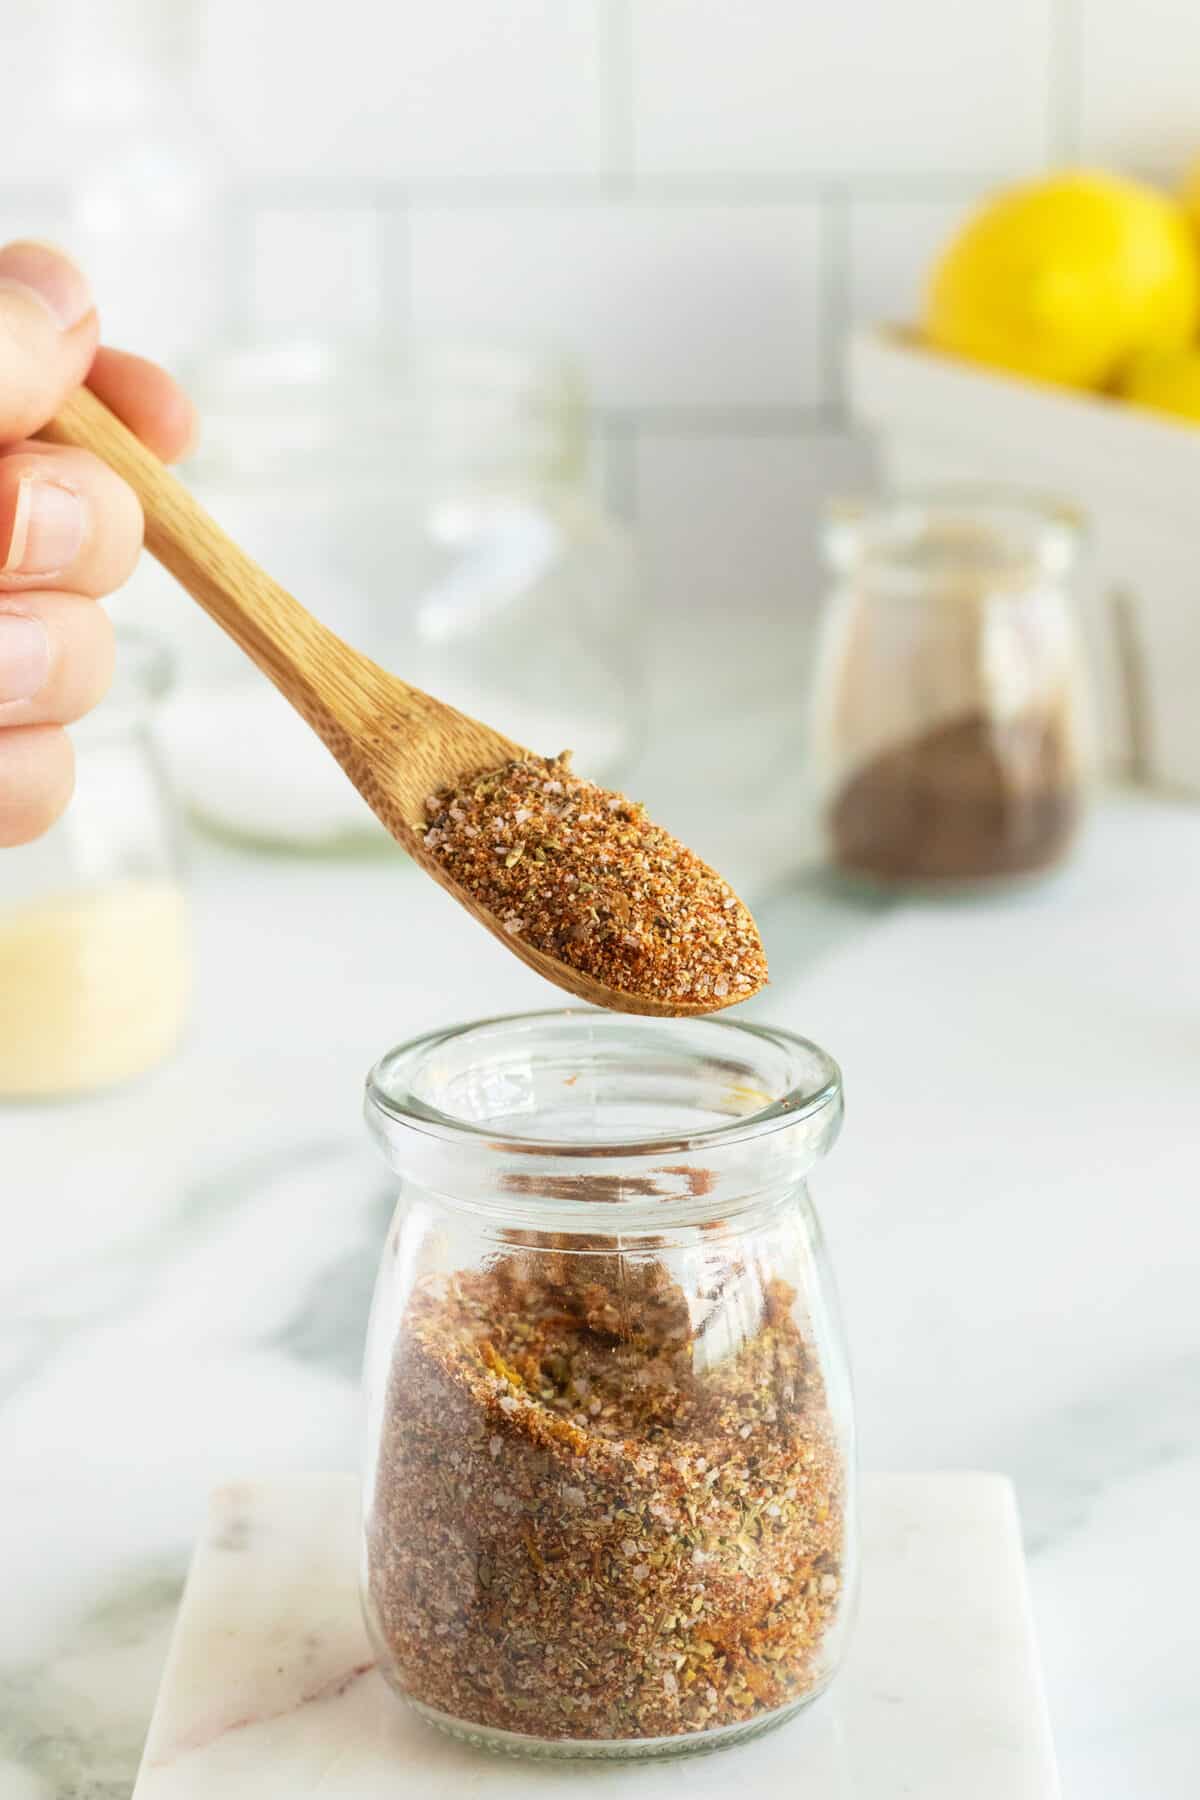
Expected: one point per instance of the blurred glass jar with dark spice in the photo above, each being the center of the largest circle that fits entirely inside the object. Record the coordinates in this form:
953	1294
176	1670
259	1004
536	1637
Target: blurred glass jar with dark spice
609	1494
950	716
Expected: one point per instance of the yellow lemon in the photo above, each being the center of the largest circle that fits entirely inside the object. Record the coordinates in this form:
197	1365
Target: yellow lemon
1167	380
1066	278
1189	194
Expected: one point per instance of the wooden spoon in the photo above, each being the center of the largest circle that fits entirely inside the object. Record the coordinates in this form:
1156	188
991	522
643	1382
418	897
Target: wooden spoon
396	744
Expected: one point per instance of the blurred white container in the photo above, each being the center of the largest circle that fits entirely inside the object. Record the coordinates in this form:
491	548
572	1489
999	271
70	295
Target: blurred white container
1135	478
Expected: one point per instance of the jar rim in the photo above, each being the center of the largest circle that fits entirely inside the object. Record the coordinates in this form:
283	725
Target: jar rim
963	528
392	1099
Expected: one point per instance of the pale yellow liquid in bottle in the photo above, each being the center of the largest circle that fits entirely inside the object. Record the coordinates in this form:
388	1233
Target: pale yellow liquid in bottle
93	987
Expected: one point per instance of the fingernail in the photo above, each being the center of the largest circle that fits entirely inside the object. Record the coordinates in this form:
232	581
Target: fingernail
47	529
51	278
24	657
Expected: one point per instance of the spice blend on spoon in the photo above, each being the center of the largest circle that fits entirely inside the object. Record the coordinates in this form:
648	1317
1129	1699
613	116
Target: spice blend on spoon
581	874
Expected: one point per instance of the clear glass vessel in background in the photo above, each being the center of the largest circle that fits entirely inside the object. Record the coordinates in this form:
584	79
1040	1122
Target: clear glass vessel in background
142	173
609	1498
950	714
430	504
95	951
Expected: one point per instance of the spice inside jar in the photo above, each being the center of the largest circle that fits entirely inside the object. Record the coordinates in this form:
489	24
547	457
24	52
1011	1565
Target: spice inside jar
951	709
645	1547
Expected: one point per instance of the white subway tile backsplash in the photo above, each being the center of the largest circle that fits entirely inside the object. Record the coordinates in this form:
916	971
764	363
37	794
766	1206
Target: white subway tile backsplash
689	305
316	268
1139	75
730	534
865	85
384	92
892	245
695	197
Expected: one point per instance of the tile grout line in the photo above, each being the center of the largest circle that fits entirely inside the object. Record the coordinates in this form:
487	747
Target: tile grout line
503	192
833	315
812	422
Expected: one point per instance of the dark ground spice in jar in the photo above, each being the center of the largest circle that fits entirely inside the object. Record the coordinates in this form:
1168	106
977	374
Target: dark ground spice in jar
577	1530
968	801
581	874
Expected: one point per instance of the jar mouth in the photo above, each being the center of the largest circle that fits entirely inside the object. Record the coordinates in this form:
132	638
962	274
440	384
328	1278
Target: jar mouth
919	540
389	406
574	1084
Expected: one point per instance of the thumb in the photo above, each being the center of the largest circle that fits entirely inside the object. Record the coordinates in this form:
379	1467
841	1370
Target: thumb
48	335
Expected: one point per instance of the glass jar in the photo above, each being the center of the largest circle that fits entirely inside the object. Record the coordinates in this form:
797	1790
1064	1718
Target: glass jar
950	712
429	503
142	172
609	1490
94	938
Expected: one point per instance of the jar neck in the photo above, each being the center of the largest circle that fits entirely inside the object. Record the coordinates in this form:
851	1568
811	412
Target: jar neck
586	1124
952	544
653	1204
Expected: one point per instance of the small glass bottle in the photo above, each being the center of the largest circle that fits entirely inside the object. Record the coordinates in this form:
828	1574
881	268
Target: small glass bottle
609	1504
429	504
950	714
94	931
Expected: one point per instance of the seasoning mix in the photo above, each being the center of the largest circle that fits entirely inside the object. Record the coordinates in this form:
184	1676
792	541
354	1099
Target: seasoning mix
963	801
581	1527
581	873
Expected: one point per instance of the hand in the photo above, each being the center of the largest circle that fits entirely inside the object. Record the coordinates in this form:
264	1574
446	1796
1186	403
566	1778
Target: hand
70	530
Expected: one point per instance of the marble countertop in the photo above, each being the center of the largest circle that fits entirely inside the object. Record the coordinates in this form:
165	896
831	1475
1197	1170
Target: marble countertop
1012	1211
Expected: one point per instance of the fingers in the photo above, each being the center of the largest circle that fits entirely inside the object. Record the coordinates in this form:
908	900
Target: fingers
150	402
70	530
37	774
56	659
48	335
66	521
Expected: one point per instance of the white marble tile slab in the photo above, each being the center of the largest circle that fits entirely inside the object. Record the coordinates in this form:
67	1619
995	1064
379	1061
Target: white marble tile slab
270	1689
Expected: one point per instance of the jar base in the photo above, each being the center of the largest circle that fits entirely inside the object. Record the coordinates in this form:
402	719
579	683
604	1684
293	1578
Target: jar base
694	1743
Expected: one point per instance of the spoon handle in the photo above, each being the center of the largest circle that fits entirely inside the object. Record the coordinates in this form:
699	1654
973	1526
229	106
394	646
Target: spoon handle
304	659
